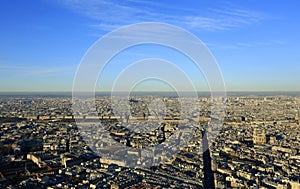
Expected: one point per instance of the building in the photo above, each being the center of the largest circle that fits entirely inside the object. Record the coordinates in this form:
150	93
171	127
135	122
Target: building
259	136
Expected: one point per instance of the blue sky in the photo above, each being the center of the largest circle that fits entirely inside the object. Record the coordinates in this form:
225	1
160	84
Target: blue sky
256	43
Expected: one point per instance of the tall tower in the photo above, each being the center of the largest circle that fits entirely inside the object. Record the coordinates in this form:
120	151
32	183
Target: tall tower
209	181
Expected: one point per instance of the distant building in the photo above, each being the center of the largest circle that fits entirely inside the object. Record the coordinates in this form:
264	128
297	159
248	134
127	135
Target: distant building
272	139
259	136
114	186
297	116
294	185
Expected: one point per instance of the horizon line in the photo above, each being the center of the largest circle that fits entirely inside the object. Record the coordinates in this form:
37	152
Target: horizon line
155	91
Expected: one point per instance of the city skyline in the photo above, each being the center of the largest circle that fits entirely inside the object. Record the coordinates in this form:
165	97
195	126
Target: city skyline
255	43
45	143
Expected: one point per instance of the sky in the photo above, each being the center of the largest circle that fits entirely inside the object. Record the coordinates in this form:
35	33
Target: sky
255	43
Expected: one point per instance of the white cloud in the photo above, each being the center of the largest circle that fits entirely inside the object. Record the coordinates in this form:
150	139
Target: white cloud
110	14
252	44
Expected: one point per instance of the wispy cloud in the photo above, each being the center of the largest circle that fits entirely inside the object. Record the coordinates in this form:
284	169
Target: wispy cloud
261	43
36	70
239	45
224	18
110	14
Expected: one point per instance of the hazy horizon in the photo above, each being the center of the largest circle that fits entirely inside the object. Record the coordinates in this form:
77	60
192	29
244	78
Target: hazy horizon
146	93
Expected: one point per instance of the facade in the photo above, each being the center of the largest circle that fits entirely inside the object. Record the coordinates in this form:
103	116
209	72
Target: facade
259	136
